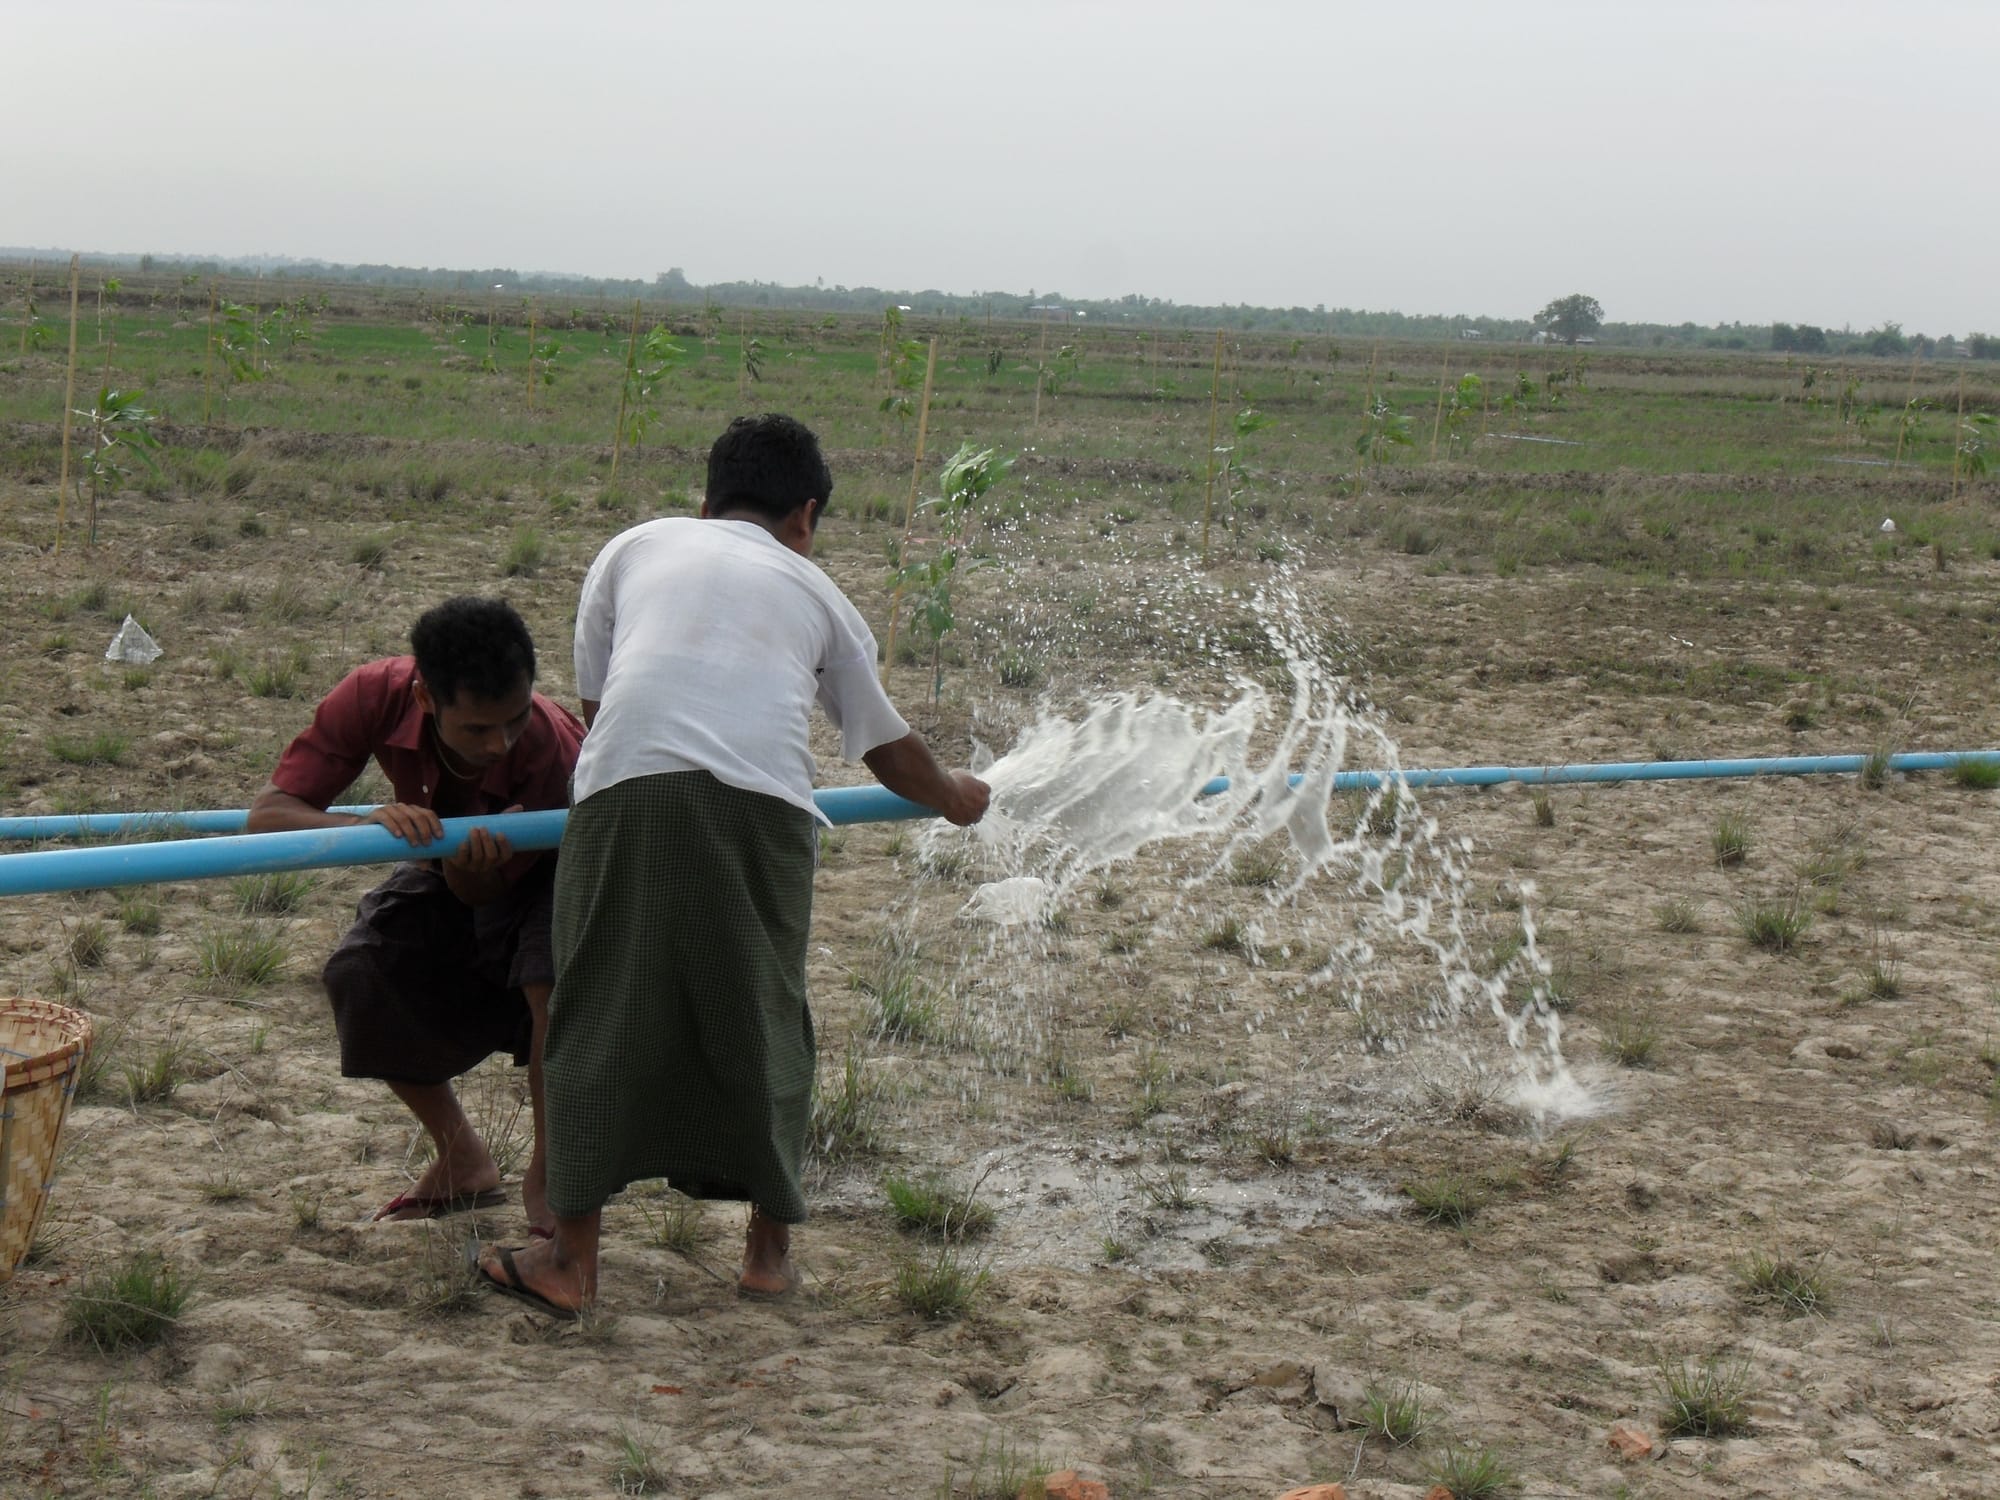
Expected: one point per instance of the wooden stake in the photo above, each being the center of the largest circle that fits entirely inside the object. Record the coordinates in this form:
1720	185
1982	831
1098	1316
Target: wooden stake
910	510
624	391
1214	400
531	359
1437	422
69	401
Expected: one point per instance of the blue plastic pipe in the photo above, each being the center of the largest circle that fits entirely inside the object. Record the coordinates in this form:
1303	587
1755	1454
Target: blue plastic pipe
369	844
140	824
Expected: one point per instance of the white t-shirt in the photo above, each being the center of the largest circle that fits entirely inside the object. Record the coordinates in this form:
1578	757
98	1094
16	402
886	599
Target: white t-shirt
706	644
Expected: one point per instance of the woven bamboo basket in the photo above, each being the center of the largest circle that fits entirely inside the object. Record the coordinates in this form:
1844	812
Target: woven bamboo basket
43	1046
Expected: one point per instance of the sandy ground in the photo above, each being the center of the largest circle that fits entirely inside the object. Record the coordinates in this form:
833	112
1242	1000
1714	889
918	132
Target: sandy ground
1204	1259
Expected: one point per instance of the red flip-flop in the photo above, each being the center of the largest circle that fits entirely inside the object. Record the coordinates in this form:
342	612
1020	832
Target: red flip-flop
411	1206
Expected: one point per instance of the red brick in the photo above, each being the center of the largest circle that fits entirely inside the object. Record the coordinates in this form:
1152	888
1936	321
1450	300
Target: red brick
1066	1484
1316	1492
1630	1444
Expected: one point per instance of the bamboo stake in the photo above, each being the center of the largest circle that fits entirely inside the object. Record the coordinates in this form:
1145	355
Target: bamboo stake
1958	437
1437	422
208	355
910	510
1903	423
69	402
624	391
1214	400
1041	361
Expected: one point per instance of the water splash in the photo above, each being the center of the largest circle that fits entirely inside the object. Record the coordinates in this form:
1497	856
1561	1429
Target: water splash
1370	885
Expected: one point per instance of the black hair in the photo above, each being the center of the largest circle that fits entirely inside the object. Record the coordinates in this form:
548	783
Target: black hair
479	647
769	466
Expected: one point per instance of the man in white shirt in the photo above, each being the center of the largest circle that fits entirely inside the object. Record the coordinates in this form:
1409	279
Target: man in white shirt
680	1044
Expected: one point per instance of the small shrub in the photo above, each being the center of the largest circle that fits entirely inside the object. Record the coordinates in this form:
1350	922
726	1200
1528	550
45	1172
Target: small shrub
1705	1400
936	1205
1394	1412
137	1302
1793	1289
942	1289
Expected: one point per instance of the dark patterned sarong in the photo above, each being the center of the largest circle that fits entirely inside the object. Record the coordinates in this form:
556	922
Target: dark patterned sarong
680	1045
425	988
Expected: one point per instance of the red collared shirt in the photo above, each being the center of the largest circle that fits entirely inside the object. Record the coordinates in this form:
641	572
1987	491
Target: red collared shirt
373	712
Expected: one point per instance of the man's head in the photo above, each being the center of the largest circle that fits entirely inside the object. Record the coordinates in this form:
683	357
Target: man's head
475	675
765	469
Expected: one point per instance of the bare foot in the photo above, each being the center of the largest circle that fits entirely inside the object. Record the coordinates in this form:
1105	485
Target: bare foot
538	1275
467	1178
767	1258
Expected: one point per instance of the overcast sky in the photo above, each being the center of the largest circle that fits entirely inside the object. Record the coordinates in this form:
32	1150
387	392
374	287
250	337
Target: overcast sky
1829	162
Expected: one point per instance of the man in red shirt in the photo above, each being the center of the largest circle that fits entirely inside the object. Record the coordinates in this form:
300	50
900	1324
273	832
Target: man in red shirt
448	960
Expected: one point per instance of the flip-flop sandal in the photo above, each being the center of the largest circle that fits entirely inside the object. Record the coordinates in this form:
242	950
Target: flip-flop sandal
518	1289
536	1232
409	1207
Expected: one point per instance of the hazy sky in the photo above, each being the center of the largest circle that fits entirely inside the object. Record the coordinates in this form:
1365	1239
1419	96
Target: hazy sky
1829	162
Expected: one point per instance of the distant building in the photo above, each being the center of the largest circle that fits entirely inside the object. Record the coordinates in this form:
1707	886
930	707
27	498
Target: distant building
1472	333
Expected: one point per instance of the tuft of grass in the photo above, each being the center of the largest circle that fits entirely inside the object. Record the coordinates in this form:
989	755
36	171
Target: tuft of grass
1875	768
1170	1189
1795	1290
1544	807
446	1283
1977	775
1731	839
1018	670
154	1077
137	1302
90	944
288	603
676	1226
525	553
105	748
1261	866
1705	1400
369	552
1633	1033
279	676
1776	923
1449	1198
1677	914
905	1009
1226	936
936	1205
280	894
139	914
1394	1412
245	959
845	1117
639	1469
1473	1474
941	1289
